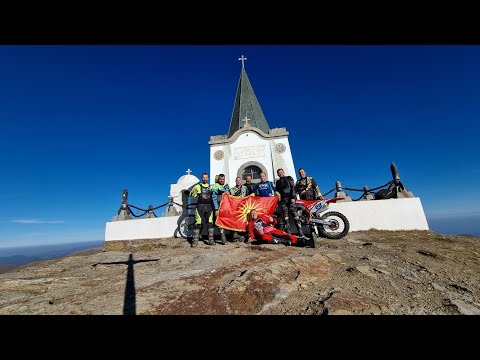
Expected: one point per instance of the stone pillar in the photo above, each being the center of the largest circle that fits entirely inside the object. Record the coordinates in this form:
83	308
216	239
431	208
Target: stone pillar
400	189
340	193
367	194
150	213
124	211
171	210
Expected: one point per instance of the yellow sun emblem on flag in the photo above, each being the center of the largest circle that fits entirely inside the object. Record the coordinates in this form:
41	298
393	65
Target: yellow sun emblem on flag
246	207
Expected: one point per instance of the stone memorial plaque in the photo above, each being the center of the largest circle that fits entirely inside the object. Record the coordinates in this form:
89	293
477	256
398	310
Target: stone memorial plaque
246	152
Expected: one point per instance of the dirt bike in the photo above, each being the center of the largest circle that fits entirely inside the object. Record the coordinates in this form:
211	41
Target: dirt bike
331	224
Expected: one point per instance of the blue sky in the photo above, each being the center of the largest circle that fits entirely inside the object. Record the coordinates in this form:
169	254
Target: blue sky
80	123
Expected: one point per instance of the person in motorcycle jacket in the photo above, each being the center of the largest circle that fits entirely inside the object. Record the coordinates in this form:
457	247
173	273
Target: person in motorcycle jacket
264	187
262	225
286	188
204	211
241	191
250	186
217	191
307	188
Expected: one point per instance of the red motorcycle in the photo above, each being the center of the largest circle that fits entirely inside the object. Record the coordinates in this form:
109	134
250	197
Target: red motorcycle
331	224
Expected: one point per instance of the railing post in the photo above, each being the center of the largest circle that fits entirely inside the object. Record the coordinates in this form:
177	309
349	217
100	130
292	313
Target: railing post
150	213
400	189
367	194
172	208
340	193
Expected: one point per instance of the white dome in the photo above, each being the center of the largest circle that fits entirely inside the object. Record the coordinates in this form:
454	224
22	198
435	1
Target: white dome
188	180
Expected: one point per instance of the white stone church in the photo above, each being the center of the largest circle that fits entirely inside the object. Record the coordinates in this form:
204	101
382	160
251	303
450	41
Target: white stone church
249	148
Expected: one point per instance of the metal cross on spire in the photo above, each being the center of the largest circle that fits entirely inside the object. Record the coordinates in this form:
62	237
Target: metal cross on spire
243	58
246	120
188	171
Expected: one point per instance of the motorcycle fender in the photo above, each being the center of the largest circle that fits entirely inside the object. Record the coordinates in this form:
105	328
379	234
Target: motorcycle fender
320	206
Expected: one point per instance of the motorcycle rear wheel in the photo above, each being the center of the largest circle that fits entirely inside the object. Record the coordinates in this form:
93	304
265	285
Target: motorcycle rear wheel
339	228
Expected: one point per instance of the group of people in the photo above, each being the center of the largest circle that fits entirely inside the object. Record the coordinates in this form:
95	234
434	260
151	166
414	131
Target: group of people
271	229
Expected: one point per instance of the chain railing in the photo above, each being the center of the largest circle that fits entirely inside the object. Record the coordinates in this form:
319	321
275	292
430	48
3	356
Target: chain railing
126	209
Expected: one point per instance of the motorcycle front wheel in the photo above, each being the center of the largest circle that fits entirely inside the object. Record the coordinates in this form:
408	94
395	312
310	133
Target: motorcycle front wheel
186	225
338	228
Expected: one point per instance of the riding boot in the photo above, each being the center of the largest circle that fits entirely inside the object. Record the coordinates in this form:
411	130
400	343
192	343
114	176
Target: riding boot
223	239
302	241
211	240
196	236
236	237
287	225
300	230
280	240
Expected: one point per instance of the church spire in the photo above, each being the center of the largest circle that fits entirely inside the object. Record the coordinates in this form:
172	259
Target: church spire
246	109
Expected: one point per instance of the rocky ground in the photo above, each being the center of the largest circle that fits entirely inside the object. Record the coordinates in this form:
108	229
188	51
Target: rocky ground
367	272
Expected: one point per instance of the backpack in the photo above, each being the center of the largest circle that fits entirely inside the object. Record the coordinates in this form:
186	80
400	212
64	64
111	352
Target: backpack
385	194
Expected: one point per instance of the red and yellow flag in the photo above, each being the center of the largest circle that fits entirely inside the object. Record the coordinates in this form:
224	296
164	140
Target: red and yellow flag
234	209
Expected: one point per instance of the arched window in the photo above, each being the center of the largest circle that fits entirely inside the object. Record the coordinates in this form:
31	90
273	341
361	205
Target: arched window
253	171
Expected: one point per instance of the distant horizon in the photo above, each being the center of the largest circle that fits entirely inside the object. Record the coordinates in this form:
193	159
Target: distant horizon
27	254
50	244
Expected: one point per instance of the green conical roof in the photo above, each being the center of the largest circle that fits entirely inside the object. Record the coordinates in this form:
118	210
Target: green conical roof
246	105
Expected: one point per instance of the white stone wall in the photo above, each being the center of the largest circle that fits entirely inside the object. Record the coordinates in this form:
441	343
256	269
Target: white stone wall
140	229
389	214
249	146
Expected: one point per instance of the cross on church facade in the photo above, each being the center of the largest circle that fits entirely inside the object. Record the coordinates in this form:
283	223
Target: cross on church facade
188	171
243	58
246	120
